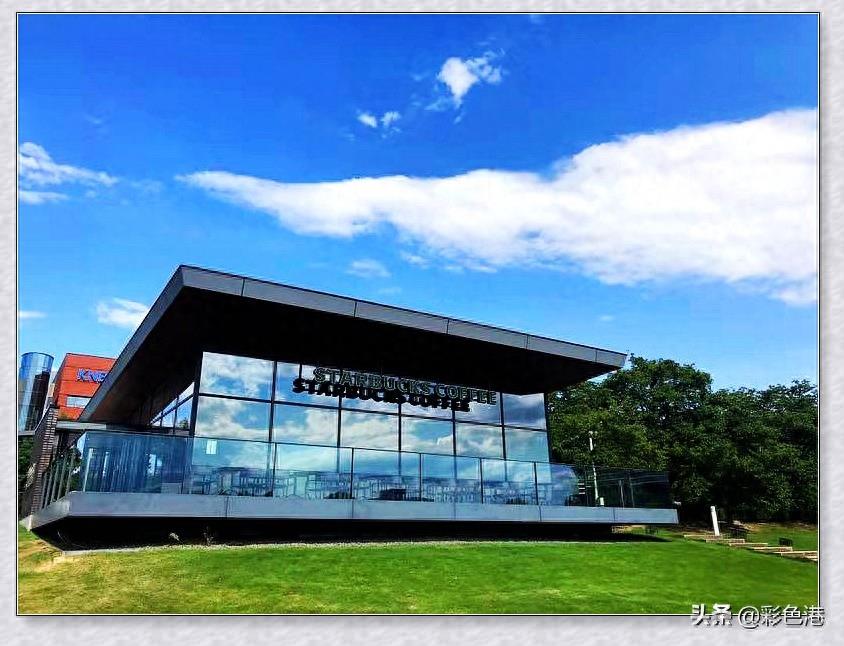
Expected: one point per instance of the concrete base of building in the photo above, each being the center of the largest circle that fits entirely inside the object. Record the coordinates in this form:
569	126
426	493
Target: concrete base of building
102	519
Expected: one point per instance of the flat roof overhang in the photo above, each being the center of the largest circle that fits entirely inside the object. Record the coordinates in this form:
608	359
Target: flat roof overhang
203	310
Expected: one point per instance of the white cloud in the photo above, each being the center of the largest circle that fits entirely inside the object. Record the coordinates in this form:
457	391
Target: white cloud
121	312
414	259
30	314
389	118
732	202
40	197
368	268
37	168
461	74
386	122
606	318
368	119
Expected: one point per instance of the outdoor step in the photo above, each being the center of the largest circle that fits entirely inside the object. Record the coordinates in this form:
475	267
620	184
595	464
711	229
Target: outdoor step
801	554
773	549
750	545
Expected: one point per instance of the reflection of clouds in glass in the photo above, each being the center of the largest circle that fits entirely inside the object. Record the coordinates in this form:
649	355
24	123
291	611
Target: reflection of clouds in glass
304	425
227	374
312	458
479	412
231	453
425	411
482	441
426	436
527	445
233	418
369	430
524	410
368	404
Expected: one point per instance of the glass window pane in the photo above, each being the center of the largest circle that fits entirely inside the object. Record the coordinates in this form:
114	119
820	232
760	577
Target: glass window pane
508	483
230	467
526	445
183	416
304	425
524	410
312	472
226	374
369	430
370	404
168	419
427	435
285	376
386	475
425	411
233	418
187	392
480	441
478	412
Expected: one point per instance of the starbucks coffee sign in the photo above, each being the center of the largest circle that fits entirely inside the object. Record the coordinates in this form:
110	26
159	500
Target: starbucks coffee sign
352	384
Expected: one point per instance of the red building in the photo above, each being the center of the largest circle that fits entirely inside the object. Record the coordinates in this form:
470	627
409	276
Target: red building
77	379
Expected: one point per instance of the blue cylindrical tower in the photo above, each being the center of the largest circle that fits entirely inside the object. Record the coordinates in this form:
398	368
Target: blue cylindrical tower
33	383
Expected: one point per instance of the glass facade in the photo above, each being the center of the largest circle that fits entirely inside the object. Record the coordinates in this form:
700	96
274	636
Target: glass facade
33	383
104	461
262	400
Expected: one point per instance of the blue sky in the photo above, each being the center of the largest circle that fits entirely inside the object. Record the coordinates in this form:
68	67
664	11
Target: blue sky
642	183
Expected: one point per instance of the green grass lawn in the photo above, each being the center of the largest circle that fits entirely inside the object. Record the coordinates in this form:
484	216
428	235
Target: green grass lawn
805	537
490	577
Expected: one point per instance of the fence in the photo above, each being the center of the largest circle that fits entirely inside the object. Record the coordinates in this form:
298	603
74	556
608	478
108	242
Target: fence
137	462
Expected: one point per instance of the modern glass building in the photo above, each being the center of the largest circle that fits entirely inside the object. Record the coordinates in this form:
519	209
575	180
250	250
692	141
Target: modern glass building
33	383
240	401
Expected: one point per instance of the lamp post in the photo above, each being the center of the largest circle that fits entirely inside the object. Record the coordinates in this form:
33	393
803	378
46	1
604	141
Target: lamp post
592	460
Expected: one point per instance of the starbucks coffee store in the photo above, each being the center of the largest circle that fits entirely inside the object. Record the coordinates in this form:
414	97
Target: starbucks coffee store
241	406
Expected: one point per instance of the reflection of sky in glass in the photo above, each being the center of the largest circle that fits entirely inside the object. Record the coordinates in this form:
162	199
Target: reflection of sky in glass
368	404
304	425
437	466
524	410
369	430
526	445
285	374
225	374
187	392
478	412
183	414
233	418
426	435
291	457
231	453
429	411
390	463
482	441
507	471
555	474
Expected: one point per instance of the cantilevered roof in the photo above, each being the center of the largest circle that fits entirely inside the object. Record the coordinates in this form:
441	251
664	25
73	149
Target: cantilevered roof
203	310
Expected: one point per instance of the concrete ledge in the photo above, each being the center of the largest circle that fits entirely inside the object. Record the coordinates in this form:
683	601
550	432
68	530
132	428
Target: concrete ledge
146	504
511	513
647	516
396	510
246	507
576	514
156	505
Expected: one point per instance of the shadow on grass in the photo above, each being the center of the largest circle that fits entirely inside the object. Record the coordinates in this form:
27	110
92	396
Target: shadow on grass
82	533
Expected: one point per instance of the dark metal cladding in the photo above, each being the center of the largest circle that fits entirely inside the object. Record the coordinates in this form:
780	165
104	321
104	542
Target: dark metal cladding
203	310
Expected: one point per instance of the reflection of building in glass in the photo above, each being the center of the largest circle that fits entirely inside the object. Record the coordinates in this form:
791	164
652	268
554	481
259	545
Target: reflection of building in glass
244	402
33	383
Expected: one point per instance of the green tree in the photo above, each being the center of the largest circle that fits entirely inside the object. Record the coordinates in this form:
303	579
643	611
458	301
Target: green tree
751	453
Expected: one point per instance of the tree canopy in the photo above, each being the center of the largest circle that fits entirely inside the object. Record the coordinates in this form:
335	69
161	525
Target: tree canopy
751	453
